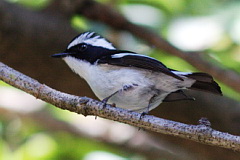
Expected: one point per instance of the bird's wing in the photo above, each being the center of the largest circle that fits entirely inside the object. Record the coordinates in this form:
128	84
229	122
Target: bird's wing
131	59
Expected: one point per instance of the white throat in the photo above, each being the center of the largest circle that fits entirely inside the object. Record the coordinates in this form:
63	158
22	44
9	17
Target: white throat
81	67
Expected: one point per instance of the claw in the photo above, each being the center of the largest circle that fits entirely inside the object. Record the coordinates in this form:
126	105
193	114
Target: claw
142	115
104	101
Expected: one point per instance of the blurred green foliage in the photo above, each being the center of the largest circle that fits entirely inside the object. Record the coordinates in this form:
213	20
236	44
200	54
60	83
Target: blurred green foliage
32	4
30	141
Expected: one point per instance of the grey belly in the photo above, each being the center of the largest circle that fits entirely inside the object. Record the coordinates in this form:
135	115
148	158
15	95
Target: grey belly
136	99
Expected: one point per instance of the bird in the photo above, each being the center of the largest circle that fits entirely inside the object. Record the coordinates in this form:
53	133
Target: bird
129	80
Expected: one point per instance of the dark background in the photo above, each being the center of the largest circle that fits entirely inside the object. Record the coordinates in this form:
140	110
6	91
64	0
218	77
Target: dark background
31	31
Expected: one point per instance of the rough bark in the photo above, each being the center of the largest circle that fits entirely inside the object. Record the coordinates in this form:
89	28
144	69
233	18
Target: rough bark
201	133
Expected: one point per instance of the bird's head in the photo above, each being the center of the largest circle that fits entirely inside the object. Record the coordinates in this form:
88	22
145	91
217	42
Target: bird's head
87	46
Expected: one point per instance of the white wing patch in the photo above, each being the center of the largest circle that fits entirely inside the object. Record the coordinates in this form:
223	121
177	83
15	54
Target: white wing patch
88	38
120	55
181	73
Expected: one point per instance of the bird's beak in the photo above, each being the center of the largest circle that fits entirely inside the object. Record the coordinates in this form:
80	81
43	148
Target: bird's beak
60	55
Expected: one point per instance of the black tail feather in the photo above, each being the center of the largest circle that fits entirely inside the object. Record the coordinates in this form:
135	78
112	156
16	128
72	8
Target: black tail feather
203	77
205	82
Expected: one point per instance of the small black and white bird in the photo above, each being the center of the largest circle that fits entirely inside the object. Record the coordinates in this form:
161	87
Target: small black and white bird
131	81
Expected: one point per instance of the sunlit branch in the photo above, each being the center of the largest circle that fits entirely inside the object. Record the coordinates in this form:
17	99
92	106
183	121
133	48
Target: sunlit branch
202	133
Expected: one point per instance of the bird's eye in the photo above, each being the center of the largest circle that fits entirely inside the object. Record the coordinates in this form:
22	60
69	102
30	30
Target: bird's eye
82	47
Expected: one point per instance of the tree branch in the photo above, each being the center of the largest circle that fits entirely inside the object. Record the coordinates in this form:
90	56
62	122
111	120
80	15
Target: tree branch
202	133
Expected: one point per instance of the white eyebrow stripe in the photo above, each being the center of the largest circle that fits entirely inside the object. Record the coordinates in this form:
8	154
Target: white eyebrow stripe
100	42
79	39
94	41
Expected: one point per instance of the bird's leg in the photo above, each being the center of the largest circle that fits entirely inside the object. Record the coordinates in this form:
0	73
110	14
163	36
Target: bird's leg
148	107
105	100
125	88
145	112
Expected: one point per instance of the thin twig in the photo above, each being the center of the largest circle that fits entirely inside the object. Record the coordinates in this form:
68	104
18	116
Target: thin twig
87	106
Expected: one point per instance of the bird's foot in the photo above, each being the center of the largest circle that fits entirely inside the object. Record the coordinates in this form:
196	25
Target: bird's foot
142	115
104	101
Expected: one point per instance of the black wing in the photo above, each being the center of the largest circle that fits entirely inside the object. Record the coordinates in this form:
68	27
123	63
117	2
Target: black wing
130	59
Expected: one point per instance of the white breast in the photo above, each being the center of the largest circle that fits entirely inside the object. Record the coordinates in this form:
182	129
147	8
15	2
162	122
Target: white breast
102	77
105	79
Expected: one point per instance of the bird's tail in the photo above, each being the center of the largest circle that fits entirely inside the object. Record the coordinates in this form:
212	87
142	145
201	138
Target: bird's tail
204	82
